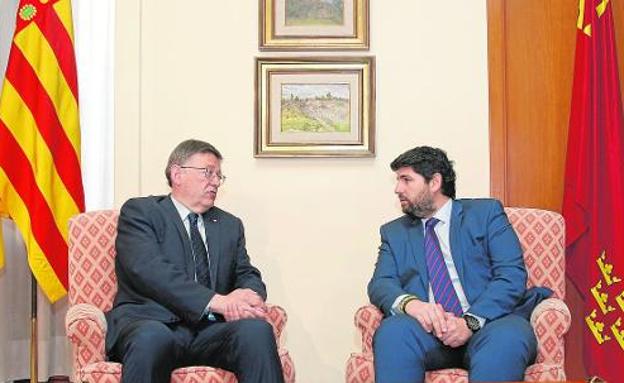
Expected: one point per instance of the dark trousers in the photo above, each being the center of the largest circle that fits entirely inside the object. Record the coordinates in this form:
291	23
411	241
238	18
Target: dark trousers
500	351
150	350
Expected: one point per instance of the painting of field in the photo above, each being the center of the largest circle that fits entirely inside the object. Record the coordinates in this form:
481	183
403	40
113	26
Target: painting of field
315	108
314	12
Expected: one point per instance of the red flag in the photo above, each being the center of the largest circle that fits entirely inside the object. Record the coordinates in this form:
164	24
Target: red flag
593	204
40	180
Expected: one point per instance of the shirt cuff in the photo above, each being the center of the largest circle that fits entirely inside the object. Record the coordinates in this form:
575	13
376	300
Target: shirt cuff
207	314
394	310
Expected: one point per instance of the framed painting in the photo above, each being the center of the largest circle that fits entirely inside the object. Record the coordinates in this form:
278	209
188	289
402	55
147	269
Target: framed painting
314	24
315	107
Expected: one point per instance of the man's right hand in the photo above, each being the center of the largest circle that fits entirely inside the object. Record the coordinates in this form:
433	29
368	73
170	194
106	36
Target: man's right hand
239	304
430	316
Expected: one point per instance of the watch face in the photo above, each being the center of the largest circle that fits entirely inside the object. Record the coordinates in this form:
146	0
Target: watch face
472	323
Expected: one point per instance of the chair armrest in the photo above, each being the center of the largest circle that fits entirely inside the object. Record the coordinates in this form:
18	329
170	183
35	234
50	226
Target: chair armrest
550	320
277	317
86	329
367	319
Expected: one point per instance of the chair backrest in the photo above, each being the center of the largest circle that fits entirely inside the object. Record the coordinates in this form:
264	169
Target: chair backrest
92	258
542	235
92	253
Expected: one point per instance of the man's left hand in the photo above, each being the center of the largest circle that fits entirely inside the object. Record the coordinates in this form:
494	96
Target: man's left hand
458	332
239	304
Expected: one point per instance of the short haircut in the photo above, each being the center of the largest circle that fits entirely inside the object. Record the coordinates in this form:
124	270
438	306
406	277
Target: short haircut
428	161
185	150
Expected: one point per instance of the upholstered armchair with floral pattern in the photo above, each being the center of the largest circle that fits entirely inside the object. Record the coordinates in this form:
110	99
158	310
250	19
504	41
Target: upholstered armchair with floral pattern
542	235
92	287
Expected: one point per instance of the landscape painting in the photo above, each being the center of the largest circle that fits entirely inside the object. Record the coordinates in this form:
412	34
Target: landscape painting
314	24
315	108
314	12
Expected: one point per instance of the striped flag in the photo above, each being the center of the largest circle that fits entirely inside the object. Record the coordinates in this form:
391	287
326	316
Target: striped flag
40	180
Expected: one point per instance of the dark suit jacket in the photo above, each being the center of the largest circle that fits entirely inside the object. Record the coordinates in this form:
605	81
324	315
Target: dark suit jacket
155	268
485	249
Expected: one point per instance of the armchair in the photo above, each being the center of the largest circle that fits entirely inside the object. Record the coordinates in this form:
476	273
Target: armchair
92	287
542	235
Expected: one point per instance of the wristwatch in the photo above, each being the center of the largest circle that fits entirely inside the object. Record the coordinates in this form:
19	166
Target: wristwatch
472	323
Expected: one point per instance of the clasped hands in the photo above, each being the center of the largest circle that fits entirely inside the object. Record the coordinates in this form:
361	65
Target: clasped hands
451	330
239	304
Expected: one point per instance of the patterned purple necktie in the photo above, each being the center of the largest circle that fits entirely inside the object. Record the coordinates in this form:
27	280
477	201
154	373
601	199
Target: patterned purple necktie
439	278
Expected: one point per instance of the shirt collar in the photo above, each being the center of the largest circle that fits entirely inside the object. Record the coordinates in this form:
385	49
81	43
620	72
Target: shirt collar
183	211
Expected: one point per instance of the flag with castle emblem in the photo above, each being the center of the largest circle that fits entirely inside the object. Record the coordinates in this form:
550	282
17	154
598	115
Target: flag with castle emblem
594	190
40	180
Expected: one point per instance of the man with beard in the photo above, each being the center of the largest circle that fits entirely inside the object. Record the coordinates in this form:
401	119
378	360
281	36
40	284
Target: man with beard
450	280
187	291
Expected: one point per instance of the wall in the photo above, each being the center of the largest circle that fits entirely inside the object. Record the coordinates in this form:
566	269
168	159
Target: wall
186	69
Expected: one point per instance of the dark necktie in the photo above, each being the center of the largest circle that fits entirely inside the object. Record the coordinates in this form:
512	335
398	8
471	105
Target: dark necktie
200	255
443	290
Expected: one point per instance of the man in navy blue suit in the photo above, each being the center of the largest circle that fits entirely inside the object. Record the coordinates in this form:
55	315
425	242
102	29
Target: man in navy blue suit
450	280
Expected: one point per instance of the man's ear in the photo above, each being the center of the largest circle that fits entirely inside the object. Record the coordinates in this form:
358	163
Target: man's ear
176	173
435	184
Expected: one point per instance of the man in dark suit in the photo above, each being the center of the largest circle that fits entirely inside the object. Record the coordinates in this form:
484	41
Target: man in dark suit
188	294
450	279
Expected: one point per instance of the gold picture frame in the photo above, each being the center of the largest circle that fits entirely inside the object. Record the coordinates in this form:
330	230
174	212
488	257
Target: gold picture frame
315	107
314	25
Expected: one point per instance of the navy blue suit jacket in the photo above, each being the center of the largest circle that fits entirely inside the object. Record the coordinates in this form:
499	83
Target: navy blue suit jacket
485	249
155	268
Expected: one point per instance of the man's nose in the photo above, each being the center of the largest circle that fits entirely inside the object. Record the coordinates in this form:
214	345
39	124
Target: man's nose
215	181
397	188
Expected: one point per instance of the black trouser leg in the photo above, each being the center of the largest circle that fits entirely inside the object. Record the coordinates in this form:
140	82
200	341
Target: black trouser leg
246	347
149	351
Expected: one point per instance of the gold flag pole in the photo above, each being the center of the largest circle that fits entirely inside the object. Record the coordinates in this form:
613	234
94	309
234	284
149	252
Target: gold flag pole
33	331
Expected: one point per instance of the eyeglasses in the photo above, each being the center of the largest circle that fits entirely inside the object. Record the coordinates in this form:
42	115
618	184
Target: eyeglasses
208	173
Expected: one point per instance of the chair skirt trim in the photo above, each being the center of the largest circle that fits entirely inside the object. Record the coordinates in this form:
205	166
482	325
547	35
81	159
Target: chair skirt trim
110	372
360	369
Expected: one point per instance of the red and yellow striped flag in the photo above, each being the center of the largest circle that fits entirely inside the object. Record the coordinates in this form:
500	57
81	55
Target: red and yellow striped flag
40	181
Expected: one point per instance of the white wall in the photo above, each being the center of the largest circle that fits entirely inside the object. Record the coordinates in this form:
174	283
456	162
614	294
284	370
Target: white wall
186	69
